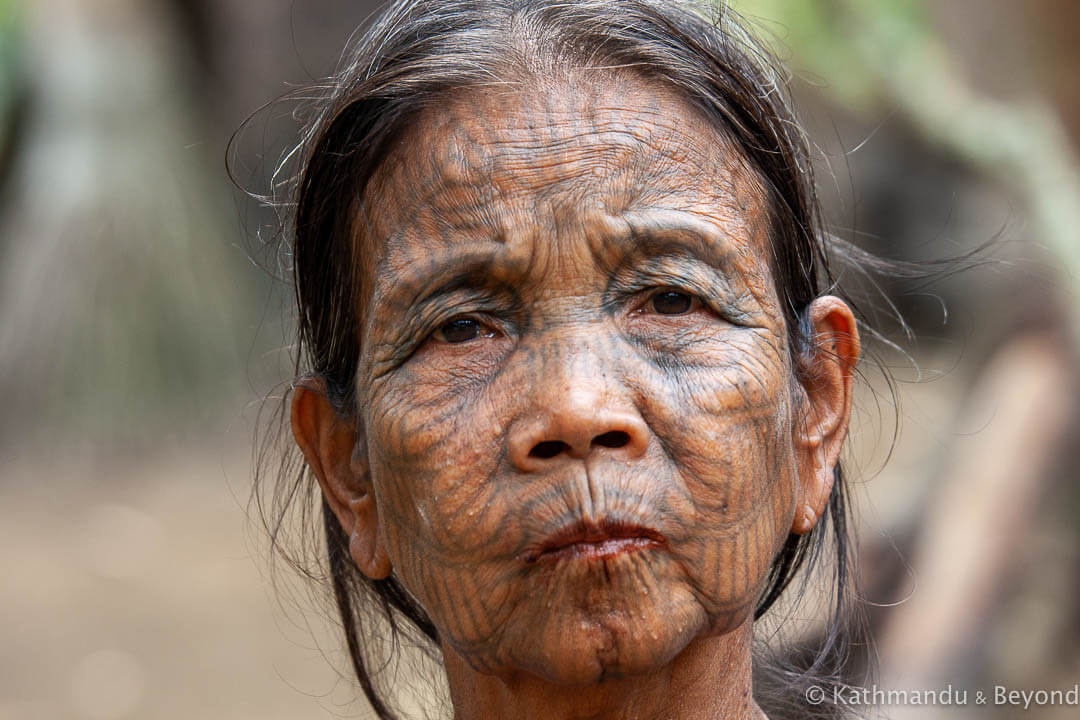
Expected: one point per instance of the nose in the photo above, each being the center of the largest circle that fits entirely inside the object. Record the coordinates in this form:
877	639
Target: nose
576	418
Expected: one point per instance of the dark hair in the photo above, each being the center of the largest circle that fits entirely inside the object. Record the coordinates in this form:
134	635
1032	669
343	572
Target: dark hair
416	53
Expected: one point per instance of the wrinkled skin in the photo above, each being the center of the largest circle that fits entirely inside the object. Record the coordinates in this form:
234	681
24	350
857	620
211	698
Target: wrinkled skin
570	321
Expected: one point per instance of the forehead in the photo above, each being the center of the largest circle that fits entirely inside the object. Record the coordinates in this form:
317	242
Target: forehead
532	166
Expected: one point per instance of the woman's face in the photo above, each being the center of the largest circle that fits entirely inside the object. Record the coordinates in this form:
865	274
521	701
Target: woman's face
575	388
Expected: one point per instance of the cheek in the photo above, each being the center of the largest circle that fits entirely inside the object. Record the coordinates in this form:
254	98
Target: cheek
433	464
446	509
742	512
726	429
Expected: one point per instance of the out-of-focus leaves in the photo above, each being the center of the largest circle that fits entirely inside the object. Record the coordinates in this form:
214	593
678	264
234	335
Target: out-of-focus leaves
818	38
9	73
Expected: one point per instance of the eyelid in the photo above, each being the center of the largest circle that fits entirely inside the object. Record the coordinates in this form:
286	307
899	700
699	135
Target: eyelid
481	324
419	325
488	328
426	320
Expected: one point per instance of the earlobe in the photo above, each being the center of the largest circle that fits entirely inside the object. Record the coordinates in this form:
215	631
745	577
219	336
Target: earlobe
334	449
822	423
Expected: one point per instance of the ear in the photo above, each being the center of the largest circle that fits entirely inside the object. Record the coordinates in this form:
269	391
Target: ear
335	451
822	420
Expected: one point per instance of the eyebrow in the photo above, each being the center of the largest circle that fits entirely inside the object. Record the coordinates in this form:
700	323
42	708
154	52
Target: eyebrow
656	233
442	274
481	266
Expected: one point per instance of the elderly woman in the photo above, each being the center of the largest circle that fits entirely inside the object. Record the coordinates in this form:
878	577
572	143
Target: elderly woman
568	380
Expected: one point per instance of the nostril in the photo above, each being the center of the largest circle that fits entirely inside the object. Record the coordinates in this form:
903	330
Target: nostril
548	449
613	439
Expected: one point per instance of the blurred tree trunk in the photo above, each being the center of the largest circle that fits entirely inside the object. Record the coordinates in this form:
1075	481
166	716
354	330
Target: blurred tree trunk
121	297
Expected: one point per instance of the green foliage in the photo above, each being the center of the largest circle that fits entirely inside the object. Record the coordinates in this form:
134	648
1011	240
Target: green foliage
887	52
9	64
826	41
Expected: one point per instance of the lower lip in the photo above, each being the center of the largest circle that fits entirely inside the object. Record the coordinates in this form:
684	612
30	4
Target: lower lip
599	550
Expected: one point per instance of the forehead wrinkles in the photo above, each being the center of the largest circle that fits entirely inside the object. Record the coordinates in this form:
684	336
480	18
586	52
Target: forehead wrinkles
532	140
499	163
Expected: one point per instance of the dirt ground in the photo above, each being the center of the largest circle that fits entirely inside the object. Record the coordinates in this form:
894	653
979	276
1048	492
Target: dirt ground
137	590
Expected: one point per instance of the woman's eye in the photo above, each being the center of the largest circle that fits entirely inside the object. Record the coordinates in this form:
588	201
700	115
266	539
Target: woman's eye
671	302
458	331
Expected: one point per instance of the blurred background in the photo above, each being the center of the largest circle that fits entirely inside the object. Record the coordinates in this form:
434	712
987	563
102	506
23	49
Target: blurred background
141	326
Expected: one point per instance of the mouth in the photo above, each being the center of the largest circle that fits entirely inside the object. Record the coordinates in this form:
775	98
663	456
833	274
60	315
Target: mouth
593	541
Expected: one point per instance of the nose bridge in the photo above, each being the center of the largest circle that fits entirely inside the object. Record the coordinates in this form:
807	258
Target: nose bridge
578	368
577	360
578	404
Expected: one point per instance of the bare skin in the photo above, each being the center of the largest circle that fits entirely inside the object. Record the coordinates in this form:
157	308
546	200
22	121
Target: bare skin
580	441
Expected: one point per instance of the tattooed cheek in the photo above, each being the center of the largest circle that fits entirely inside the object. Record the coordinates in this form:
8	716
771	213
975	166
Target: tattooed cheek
443	371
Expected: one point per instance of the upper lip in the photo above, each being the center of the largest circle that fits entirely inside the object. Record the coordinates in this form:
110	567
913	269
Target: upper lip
584	531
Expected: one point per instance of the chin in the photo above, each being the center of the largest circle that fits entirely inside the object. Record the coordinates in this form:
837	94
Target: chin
608	638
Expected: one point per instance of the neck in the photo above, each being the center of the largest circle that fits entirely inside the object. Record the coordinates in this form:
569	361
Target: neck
709	680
